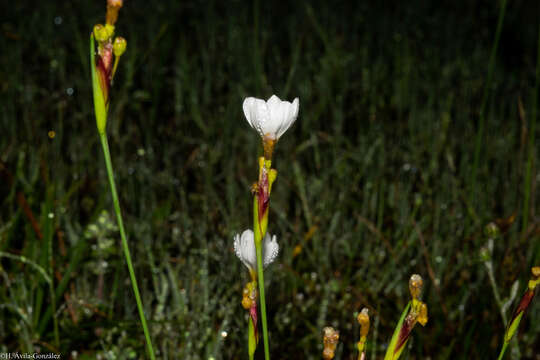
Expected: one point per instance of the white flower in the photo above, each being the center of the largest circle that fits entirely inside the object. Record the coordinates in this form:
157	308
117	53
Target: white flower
244	247
270	118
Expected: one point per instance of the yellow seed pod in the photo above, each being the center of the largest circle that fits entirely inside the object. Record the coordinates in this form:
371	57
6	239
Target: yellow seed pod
415	286
119	46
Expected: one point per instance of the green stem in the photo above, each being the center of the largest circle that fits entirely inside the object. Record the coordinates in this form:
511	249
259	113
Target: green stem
503	350
259	232
262	299
110	173
481	119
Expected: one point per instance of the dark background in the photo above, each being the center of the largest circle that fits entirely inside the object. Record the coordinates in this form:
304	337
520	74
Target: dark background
377	178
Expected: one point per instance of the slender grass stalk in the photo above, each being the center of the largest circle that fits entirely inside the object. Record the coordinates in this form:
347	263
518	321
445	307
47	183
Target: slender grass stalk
496	294
485	96
532	129
125	247
48	235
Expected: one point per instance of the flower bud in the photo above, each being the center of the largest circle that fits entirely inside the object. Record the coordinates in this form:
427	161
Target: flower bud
119	46
101	33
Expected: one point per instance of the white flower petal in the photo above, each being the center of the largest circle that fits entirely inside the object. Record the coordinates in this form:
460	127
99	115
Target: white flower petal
244	247
270	249
271	118
276	119
256	113
273	100
247	105
290	112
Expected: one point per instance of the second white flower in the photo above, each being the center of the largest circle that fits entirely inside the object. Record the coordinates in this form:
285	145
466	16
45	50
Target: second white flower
244	247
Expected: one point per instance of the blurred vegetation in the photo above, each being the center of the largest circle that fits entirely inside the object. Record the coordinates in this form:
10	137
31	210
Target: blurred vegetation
374	178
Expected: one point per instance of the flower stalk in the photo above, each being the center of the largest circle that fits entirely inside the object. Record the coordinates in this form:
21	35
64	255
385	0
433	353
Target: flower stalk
363	320
261	202
103	63
523	305
270	119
